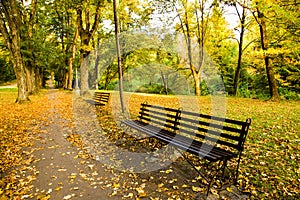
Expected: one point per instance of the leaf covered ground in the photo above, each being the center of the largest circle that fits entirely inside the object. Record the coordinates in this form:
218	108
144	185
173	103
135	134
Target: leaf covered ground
269	169
18	126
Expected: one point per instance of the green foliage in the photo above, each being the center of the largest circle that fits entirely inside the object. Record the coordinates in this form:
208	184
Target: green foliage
153	89
6	71
289	94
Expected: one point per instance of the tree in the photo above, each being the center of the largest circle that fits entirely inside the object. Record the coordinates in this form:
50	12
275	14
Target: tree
261	19
193	17
242	19
11	23
87	28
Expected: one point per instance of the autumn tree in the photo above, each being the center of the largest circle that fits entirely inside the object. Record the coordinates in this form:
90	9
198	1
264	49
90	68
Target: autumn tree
13	28
261	19
88	19
193	23
64	21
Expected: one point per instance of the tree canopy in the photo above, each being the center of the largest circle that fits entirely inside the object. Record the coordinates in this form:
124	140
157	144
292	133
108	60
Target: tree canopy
256	52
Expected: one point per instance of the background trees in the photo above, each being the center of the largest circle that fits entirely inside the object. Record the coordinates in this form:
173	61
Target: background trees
40	37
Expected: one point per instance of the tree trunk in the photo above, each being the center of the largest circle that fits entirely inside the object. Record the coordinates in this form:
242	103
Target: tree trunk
38	78
84	76
71	60
86	33
31	80
239	64
19	69
268	60
10	29
197	81
165	82
116	21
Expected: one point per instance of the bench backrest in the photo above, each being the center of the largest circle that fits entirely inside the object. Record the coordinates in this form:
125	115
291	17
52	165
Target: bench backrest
165	118
101	97
214	130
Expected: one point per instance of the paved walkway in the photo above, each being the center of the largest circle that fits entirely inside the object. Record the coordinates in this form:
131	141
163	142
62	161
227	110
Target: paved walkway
61	173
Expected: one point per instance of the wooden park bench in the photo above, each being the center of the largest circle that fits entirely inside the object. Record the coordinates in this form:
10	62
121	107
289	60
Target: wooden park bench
211	138
101	98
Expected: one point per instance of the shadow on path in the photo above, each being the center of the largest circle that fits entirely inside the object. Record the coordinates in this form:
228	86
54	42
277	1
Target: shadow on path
61	173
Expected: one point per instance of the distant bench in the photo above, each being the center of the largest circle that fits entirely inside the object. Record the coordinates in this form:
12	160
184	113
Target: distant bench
101	98
212	138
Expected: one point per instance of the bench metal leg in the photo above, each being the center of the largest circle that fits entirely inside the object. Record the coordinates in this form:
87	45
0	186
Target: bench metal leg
236	176
200	173
222	165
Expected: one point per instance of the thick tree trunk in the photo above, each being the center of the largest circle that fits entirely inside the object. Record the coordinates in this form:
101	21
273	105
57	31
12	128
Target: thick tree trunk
84	71
84	76
86	33
19	69
66	80
31	80
10	29
165	82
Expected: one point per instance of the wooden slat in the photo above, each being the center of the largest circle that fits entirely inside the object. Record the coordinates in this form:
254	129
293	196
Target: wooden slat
231	121
101	98
204	130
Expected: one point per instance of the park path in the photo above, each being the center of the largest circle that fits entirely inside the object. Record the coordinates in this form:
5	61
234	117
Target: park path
61	173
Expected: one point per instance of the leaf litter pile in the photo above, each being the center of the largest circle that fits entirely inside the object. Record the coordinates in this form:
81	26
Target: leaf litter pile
18	126
269	167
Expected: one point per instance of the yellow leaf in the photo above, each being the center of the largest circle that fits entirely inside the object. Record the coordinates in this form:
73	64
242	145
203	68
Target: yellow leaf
43	197
116	185
184	186
141	192
196	189
229	189
160	185
2	197
130	195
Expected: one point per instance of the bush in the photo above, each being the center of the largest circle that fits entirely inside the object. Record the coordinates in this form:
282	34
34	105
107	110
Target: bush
289	94
153	89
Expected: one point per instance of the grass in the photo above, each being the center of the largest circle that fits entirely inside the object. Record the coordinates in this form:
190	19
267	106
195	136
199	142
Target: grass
270	163
2	90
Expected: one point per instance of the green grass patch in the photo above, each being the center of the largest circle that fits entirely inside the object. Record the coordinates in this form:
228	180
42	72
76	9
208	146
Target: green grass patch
8	89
